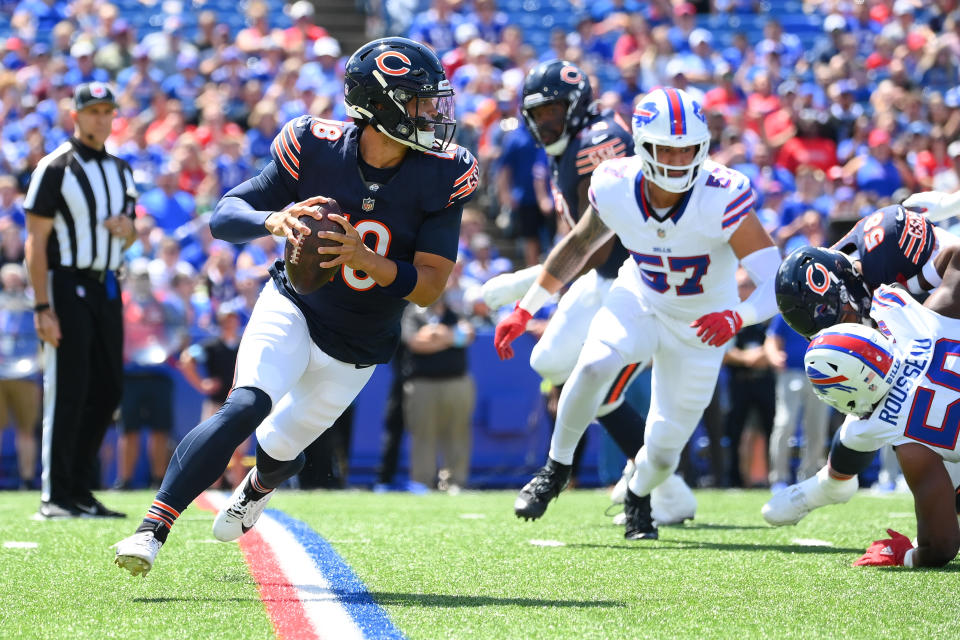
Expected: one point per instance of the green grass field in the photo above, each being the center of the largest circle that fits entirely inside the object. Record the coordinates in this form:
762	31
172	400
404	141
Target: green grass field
464	567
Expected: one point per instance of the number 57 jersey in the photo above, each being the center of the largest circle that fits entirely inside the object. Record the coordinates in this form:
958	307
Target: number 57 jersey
680	262
923	404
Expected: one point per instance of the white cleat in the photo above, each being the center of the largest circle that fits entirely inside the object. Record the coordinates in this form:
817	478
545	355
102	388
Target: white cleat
672	502
792	504
137	553
240	513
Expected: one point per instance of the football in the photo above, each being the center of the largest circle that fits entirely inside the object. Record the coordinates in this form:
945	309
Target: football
303	260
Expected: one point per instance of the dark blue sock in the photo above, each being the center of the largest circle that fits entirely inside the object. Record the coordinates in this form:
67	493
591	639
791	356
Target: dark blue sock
204	453
847	461
271	473
625	426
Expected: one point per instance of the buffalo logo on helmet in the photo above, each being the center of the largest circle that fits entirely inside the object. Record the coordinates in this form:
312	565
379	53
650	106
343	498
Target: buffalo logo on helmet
645	113
390	70
818	285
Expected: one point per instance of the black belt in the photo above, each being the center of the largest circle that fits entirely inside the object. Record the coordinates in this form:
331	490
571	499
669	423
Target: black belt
90	274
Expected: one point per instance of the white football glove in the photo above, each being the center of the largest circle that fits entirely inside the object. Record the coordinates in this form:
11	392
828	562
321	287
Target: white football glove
935	205
507	288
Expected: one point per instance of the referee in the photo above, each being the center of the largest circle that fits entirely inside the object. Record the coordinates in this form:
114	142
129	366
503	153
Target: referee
79	206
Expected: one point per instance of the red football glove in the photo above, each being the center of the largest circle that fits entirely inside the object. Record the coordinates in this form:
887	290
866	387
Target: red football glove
717	327
886	553
508	330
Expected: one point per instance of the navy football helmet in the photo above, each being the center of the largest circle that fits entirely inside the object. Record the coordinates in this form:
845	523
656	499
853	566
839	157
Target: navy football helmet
814	287
557	81
398	86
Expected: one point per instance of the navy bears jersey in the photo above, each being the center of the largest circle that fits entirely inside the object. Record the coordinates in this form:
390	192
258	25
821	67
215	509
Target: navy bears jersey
892	244
604	136
417	209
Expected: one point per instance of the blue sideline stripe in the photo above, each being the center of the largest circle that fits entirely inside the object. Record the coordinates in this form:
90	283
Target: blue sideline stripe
349	589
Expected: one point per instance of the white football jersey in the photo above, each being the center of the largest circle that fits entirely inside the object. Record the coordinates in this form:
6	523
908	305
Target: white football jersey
923	405
684	265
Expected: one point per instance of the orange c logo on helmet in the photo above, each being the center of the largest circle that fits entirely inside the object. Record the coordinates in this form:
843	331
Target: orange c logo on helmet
570	75
382	64
811	280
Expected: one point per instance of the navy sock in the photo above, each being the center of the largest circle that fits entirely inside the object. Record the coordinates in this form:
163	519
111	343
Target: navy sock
204	453
271	473
625	426
846	460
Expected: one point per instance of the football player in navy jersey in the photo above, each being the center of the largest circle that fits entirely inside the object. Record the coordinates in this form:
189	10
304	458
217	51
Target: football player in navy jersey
817	288
561	114
401	185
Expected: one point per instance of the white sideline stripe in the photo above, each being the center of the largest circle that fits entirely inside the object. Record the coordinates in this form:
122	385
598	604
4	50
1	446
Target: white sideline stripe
20	545
327	616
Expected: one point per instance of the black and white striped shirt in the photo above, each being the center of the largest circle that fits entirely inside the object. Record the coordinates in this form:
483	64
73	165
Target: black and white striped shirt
80	187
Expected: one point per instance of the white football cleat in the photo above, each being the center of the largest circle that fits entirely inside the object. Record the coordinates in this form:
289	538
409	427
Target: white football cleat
239	514
792	504
137	553
672	502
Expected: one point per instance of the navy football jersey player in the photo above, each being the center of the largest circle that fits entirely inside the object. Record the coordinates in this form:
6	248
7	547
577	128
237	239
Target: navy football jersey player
603	136
414	207
892	244
302	360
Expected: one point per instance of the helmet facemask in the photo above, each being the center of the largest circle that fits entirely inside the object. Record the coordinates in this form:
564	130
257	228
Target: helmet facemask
558	146
422	119
658	172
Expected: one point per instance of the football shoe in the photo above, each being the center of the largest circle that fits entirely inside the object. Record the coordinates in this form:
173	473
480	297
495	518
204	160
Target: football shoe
546	485
137	553
639	520
241	512
672	502
792	504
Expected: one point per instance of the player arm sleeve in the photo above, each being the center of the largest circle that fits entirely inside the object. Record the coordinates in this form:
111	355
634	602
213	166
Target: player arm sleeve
762	267
440	232
240	215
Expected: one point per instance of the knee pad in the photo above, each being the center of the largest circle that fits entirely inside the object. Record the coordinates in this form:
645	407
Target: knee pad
663	457
598	365
246	408
549	362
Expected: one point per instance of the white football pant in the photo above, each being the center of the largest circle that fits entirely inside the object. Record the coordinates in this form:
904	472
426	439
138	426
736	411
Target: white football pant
556	352
684	375
309	388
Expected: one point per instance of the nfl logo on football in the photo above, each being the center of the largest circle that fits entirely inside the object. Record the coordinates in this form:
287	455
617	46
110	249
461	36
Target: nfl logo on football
367	204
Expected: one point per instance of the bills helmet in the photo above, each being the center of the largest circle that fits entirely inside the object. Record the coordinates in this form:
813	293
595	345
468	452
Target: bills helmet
851	367
669	117
814	287
557	81
398	86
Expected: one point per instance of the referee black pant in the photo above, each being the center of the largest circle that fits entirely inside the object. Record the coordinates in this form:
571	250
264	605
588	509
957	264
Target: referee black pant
82	382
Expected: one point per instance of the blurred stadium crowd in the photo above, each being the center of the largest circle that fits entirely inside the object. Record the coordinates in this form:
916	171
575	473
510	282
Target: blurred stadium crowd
833	108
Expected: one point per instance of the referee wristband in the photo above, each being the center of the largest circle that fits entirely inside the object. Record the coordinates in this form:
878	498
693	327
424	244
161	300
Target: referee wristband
404	283
43	306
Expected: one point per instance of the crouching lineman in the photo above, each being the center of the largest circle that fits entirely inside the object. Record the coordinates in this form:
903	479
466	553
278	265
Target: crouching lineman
563	118
898	388
687	223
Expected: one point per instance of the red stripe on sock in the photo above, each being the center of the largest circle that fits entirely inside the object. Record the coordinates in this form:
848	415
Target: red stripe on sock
280	598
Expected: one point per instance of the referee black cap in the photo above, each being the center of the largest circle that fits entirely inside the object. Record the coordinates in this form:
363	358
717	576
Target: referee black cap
91	93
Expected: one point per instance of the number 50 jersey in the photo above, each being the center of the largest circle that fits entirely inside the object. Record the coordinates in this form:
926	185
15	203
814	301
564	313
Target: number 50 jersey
417	208
923	405
683	265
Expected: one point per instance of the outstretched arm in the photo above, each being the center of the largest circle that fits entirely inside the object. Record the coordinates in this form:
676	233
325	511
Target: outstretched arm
565	261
